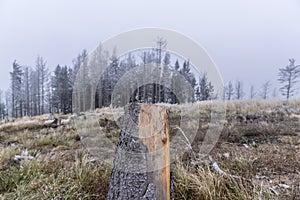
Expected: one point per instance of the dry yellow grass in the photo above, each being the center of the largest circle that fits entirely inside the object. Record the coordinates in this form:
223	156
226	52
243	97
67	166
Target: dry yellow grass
61	168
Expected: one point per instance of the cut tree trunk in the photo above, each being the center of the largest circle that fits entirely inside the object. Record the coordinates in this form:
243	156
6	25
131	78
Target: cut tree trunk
142	160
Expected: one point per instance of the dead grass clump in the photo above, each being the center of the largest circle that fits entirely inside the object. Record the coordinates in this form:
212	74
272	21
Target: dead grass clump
51	140
2	137
55	179
21	125
207	185
275	165
7	153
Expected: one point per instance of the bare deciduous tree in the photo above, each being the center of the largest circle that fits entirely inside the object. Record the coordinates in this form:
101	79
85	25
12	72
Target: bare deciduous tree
42	75
288	76
229	91
161	44
252	92
265	90
27	89
239	93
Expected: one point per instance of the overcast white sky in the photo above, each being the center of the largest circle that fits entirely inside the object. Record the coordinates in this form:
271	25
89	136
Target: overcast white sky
248	40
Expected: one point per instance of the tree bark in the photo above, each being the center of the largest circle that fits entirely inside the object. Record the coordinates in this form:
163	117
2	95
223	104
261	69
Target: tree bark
142	161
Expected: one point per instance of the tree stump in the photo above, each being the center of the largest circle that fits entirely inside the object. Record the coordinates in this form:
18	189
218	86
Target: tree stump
142	160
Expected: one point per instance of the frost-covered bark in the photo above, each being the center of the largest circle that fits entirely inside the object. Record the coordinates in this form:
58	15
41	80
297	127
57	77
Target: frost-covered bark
131	177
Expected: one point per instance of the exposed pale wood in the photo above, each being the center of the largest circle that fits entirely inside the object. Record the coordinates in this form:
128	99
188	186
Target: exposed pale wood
154	134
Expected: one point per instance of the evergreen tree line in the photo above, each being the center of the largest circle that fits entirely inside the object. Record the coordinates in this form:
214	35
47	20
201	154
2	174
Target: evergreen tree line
155	92
131	72
37	91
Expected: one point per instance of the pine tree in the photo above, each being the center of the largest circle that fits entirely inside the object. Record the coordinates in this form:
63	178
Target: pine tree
167	59
2	106
62	90
16	85
56	88
205	89
177	66
77	63
186	72
229	91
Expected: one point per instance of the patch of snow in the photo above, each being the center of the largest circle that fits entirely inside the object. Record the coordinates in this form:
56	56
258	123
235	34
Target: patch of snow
226	155
284	186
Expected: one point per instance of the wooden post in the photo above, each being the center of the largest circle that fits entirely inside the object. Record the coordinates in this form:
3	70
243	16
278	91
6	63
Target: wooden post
142	160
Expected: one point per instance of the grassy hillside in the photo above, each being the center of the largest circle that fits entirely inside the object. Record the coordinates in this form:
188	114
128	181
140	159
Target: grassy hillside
258	152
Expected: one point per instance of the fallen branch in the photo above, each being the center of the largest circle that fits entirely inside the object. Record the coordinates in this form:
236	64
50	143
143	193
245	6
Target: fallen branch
220	171
187	142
